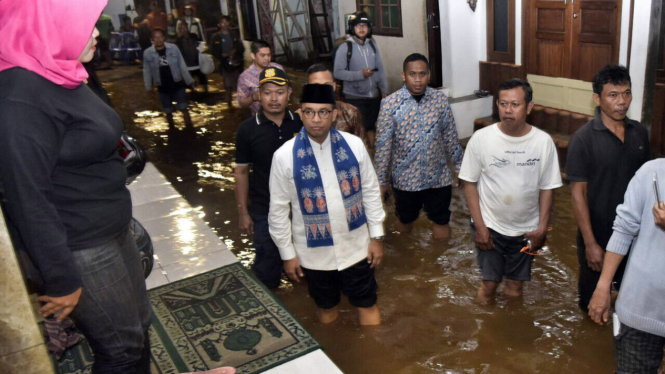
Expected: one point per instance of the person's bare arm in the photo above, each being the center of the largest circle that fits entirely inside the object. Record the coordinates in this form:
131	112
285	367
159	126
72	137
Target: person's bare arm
599	307
594	253
245	102
537	237
483	236
242	198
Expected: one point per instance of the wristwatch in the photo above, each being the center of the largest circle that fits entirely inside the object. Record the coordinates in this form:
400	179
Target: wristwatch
379	238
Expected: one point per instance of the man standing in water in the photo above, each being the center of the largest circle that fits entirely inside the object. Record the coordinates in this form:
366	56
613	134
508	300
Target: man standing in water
510	170
164	66
358	63
248	82
258	138
603	156
227	47
325	179
416	130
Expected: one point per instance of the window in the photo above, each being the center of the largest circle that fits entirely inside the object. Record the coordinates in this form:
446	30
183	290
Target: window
386	16
501	31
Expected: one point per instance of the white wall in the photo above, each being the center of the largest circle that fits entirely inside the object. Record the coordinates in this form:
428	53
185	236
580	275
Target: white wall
466	112
638	57
518	32
394	49
464	44
625	23
116	7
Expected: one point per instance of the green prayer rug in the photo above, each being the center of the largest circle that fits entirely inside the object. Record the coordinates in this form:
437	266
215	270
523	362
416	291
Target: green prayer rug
224	317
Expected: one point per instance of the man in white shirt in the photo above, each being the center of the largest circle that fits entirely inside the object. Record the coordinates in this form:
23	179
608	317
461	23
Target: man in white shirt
325	178
510	170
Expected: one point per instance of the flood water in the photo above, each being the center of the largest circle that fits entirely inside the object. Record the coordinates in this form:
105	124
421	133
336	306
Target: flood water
427	288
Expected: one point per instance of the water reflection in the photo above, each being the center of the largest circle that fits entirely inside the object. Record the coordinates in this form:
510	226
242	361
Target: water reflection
431	323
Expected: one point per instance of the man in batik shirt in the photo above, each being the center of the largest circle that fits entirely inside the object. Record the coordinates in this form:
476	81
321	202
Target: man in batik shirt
415	132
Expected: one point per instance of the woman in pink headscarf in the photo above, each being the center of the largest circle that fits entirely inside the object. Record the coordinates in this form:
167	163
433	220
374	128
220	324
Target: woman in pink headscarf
62	180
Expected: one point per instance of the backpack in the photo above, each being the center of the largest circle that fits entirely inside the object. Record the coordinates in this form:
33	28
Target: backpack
349	51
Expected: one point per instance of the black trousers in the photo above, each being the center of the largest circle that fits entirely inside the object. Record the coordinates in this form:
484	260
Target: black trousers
369	109
588	278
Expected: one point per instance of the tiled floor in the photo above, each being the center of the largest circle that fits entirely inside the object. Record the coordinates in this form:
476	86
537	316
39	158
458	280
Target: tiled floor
185	246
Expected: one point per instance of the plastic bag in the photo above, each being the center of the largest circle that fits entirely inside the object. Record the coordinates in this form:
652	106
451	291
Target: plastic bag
206	64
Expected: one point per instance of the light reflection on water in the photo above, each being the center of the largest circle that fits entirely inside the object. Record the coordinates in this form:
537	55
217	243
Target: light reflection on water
431	323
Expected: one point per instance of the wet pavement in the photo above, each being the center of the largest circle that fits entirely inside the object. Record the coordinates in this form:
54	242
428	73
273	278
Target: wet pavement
431	323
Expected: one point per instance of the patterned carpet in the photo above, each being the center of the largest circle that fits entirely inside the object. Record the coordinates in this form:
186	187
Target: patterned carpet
221	318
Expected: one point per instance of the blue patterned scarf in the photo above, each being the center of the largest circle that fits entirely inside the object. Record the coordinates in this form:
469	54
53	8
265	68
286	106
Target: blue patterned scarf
312	197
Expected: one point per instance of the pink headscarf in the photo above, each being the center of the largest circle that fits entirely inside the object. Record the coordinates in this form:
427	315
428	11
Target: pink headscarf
47	37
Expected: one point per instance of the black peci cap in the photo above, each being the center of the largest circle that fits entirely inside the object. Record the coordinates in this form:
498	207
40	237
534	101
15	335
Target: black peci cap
318	94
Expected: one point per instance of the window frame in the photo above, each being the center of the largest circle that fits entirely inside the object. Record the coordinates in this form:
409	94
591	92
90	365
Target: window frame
499	56
377	28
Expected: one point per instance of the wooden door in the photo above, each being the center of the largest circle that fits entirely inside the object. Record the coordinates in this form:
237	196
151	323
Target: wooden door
596	25
571	38
658	104
550	36
434	43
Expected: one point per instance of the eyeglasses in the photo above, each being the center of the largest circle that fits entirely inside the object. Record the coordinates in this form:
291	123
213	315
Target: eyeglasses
323	113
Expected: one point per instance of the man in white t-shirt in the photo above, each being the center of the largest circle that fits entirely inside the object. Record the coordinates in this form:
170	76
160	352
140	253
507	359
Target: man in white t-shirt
510	170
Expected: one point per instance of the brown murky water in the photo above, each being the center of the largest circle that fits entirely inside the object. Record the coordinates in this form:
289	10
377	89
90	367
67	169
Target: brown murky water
431	323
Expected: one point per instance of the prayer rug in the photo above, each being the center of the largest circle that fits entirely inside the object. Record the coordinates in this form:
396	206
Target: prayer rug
224	317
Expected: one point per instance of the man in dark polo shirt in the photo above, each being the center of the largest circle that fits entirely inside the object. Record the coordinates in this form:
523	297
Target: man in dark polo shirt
603	156
258	138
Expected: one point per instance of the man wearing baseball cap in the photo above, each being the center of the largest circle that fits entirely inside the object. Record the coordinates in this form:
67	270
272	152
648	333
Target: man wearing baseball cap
257	139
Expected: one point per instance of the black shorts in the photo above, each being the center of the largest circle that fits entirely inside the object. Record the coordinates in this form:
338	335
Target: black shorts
435	200
356	282
505	259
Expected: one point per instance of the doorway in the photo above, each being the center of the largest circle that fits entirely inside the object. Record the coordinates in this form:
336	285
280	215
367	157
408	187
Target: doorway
434	43
653	110
571	38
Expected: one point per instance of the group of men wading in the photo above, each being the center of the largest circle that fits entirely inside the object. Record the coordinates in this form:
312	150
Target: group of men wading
316	198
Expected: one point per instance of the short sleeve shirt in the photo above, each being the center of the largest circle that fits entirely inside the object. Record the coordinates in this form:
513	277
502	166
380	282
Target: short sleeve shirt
248	83
598	157
256	141
510	172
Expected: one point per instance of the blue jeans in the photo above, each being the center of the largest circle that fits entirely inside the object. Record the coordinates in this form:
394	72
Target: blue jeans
267	263
167	99
114	312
